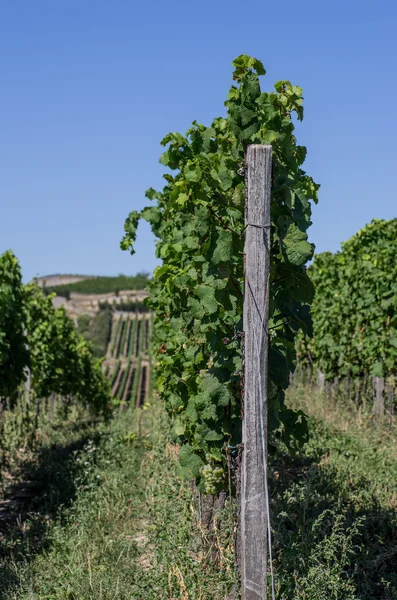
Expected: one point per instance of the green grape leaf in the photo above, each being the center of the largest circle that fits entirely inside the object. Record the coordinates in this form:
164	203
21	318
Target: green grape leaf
190	462
295	247
223	251
207	297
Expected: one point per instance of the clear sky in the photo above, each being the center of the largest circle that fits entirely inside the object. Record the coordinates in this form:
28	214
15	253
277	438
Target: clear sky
89	88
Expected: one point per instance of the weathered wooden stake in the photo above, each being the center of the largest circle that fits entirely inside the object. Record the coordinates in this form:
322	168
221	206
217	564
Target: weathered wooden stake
320	380
357	383
310	374
27	386
254	521
379	407
52	406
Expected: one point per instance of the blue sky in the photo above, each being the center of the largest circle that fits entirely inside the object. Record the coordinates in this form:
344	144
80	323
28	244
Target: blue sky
89	88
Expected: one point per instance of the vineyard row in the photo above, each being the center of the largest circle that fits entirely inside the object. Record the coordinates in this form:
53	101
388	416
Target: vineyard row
127	365
130	336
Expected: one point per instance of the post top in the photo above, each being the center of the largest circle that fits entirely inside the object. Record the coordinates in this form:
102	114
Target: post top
260	146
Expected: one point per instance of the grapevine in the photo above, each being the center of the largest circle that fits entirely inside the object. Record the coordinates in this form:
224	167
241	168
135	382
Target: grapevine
355	308
13	342
37	337
197	292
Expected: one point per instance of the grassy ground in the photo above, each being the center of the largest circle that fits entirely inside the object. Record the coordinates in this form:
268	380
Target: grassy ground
334	507
126	527
110	520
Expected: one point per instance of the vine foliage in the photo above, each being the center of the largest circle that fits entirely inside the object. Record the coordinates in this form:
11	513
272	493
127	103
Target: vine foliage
36	336
355	308
61	360
197	292
13	342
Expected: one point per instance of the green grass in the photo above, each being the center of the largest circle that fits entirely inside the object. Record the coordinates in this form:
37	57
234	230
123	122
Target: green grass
334	508
101	285
131	531
112	520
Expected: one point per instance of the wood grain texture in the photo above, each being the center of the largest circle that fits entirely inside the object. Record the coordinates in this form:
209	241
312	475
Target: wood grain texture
379	408
256	314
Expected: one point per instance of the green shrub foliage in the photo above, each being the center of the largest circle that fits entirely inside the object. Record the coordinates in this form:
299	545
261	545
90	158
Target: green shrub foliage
97	329
13	342
36	337
61	360
197	292
355	308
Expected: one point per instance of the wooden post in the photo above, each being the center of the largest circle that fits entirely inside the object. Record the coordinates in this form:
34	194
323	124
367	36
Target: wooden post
27	386
347	388
254	520
365	391
310	374
379	408
357	383
320	380
390	395
52	406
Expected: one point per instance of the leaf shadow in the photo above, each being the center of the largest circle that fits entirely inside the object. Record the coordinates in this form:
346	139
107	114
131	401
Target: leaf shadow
46	486
327	524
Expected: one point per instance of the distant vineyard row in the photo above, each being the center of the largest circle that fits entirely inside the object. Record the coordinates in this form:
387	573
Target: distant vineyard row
130	337
127	364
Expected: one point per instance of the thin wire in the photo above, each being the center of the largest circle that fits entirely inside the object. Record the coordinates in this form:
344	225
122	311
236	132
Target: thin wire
257	226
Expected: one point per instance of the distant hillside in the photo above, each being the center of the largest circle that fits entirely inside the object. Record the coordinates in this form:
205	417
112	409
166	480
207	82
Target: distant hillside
55	280
99	285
